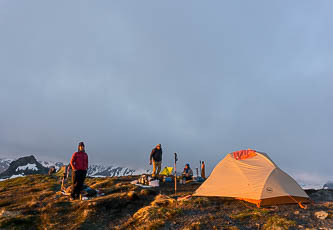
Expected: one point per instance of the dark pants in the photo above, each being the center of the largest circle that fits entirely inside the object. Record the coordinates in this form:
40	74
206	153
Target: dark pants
78	177
187	177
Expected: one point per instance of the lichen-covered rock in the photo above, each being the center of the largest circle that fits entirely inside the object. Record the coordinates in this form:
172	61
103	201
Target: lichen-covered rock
4	213
163	200
322	215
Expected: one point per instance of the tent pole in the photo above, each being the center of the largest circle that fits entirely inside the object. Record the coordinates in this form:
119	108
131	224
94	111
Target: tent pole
200	169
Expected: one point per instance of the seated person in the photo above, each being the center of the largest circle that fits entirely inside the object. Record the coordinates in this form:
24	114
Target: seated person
187	173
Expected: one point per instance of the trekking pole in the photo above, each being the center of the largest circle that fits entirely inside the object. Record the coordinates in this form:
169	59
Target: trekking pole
200	169
176	159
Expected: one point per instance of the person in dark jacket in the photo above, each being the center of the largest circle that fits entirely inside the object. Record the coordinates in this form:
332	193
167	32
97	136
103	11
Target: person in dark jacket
79	163
156	159
187	173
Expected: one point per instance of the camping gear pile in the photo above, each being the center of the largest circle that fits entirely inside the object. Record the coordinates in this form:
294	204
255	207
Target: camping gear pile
86	193
146	181
65	174
167	174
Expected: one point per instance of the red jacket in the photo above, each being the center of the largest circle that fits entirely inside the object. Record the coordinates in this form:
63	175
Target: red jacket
79	161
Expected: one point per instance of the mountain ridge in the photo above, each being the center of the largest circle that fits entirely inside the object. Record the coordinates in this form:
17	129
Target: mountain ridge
29	165
101	170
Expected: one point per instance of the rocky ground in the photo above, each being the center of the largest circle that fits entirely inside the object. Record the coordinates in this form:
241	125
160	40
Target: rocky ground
34	202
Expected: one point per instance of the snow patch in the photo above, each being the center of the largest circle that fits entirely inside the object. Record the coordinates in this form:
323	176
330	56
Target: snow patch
15	176
98	176
27	167
12	177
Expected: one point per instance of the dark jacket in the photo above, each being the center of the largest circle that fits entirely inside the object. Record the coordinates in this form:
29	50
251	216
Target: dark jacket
156	154
188	171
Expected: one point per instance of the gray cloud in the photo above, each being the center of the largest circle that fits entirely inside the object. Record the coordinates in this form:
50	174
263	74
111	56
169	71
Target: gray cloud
202	79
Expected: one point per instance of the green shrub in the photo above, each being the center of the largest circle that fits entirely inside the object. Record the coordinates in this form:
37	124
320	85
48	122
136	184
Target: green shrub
277	222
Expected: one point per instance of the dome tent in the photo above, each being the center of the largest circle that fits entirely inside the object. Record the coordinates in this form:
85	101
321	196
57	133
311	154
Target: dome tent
252	176
167	171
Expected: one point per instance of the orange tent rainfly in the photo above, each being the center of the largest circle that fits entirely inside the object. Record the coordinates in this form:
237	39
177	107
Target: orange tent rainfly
244	154
252	176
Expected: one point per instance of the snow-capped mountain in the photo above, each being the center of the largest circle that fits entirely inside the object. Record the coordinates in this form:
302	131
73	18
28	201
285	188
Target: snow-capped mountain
328	185
308	180
22	167
4	164
29	165
102	171
305	185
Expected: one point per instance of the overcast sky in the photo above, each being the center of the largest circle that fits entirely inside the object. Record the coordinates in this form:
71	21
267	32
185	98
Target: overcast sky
202	78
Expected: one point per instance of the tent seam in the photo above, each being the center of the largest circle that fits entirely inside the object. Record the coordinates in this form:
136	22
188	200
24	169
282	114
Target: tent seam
262	189
245	178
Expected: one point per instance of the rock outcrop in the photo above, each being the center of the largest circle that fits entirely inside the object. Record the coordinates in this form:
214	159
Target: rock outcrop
328	185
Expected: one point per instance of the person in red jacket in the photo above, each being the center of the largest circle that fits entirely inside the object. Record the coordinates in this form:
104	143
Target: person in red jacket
79	163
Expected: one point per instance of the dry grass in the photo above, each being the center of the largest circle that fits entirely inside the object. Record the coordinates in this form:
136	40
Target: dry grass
34	202
154	215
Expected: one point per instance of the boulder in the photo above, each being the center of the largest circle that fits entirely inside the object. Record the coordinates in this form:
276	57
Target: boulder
322	215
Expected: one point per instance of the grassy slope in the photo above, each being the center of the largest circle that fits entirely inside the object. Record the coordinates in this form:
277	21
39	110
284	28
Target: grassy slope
34	202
